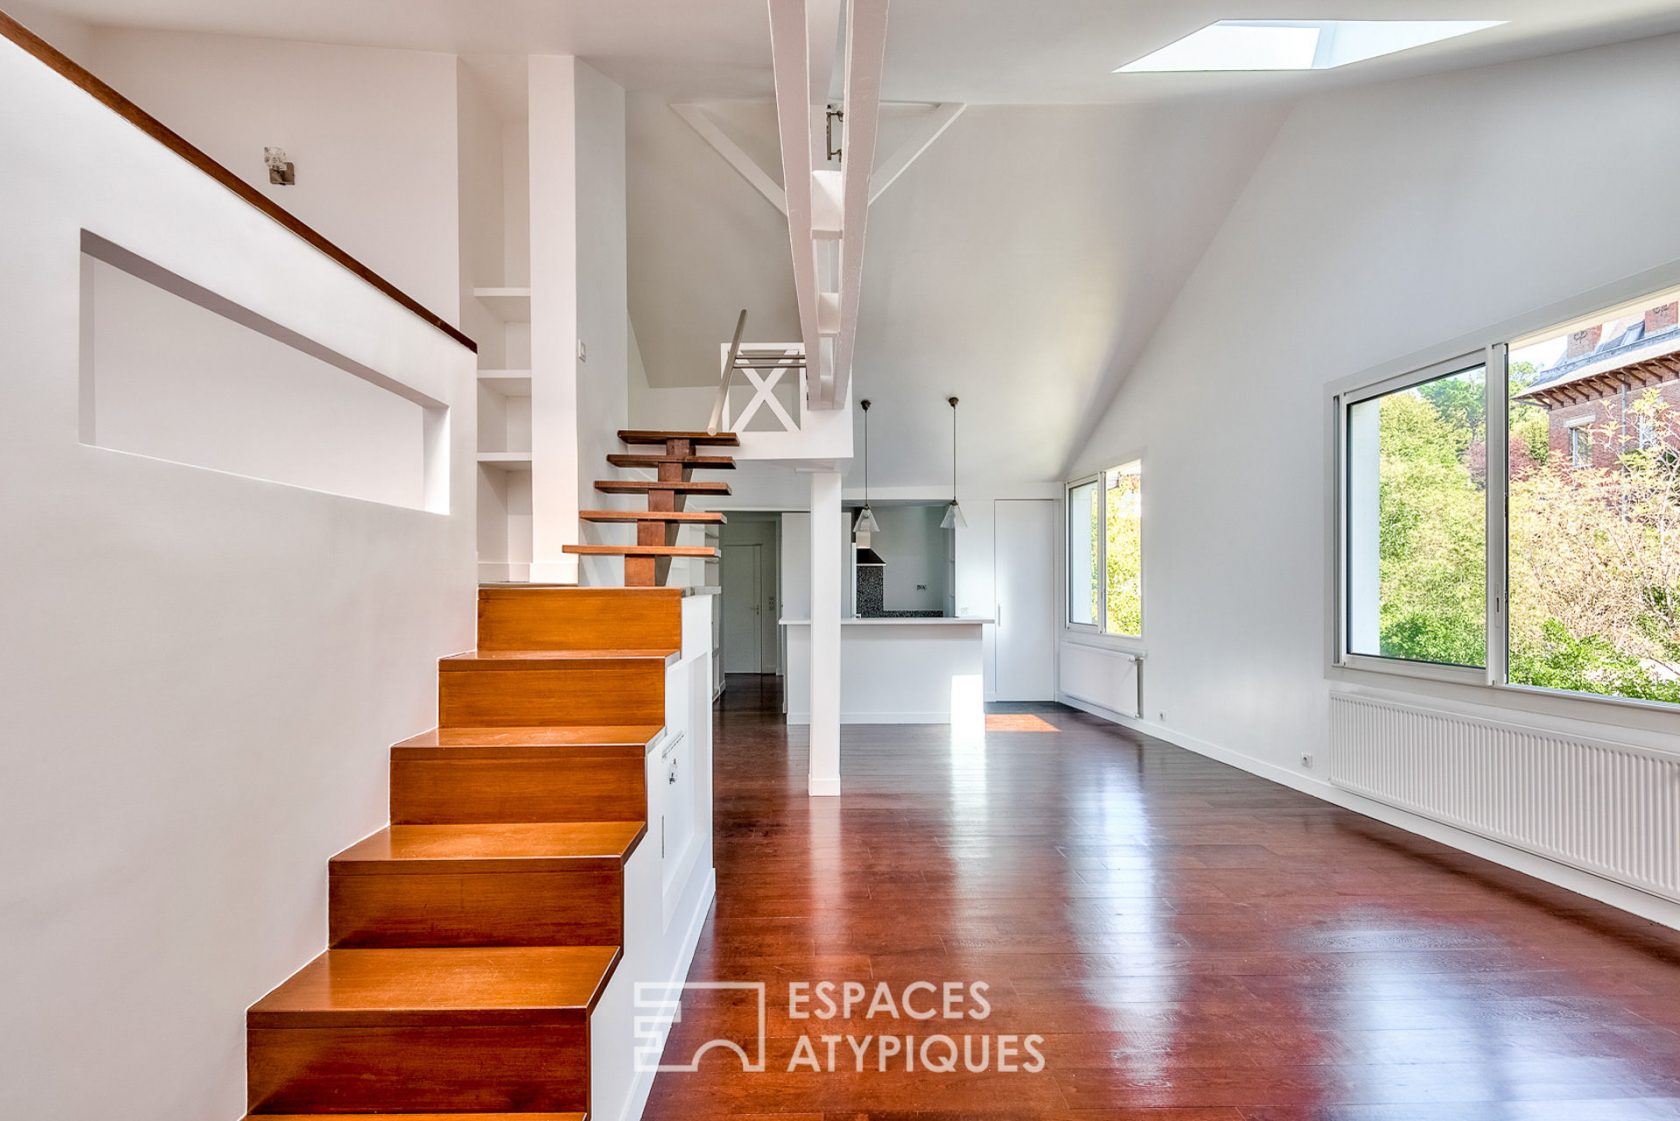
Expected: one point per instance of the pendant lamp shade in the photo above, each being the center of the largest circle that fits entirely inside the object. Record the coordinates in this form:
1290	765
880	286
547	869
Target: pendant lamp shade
866	522
953	513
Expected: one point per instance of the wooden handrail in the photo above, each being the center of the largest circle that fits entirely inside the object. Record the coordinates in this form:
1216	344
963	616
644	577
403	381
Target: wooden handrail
11	29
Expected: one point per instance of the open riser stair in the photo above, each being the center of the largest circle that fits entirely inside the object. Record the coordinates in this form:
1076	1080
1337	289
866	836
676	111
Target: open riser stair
647	563
470	940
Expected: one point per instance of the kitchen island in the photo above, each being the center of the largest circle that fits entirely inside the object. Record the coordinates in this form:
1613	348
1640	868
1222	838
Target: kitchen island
895	670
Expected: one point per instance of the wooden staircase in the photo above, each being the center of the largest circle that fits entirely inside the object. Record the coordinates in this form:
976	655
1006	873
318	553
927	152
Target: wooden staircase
470	940
647	563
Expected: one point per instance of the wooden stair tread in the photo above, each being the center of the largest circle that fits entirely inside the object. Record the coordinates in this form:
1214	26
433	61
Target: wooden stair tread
578	735
513	847
651	436
704	517
640	486
475	659
572	591
639	550
698	462
416	1117
439	987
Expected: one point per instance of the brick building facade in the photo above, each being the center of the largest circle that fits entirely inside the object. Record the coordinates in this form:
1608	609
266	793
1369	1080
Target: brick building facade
1605	370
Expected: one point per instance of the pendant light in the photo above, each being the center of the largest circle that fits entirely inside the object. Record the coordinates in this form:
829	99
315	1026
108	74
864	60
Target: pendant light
953	513
866	522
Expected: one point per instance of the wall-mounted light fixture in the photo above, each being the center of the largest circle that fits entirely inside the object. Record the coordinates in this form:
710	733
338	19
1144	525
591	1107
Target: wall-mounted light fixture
281	173
953	513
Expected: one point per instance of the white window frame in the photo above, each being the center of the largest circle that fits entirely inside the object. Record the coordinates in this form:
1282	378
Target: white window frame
1645	432
1100	627
1492	359
1626	713
1580	430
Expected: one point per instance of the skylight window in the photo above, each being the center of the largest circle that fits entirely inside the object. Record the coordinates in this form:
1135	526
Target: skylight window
1297	44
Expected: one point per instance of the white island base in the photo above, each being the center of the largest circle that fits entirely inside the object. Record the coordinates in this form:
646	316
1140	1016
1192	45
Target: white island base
895	671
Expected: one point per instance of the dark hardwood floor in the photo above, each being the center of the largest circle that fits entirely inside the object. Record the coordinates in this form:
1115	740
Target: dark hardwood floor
1191	942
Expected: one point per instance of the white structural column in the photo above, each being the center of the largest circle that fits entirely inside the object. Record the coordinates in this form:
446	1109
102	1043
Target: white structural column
554	317
825	633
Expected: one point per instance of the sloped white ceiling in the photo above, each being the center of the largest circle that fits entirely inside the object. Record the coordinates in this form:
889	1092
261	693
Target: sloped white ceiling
703	244
1065	51
1020	264
983	51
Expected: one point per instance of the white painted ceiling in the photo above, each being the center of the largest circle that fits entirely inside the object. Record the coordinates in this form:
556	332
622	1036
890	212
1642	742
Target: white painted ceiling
1063	51
681	47
1020	264
982	51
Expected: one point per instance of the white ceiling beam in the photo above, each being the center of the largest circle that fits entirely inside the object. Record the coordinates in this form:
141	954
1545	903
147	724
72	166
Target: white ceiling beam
866	54
828	204
928	129
733	154
793	40
823	23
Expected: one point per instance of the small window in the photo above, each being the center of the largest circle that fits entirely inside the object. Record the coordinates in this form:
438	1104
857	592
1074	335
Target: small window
1417	520
1647	424
1580	446
1105	551
1123	566
1085	553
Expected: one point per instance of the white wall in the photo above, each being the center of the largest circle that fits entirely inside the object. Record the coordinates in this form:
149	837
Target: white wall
483	212
202	673
1405	219
67	33
913	545
167	378
603	380
579	296
372	133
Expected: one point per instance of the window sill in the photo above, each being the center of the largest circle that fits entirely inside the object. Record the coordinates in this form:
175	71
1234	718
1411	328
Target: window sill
1427	671
1591	710
1097	640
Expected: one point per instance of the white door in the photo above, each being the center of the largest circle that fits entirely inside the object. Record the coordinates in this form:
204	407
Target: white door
742	574
1024	552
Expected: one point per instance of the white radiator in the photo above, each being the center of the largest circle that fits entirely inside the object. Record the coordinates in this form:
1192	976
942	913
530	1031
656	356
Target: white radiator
1101	676
1611	809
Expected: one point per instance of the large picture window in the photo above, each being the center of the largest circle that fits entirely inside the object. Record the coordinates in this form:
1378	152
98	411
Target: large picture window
1594	469
1105	551
1514	516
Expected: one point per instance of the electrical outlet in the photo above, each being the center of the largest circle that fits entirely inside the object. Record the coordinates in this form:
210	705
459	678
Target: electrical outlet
1307	759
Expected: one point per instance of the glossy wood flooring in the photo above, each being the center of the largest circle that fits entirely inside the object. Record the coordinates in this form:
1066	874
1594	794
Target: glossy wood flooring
1194	944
